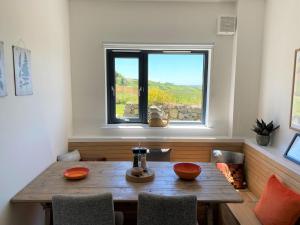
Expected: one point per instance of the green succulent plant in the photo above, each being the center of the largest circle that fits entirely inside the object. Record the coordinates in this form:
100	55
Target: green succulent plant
264	129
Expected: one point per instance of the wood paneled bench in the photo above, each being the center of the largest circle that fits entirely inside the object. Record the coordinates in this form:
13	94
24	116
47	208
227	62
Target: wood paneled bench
184	151
258	170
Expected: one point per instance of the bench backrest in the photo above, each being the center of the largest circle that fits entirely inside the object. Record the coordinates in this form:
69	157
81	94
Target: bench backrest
259	168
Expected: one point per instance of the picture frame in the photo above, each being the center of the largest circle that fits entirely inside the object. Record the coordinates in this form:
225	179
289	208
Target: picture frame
295	103
22	71
293	151
3	87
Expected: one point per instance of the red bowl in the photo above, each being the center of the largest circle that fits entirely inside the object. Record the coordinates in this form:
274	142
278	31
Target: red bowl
76	173
187	171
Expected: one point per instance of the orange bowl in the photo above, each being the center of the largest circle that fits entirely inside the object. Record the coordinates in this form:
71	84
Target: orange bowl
76	173
187	171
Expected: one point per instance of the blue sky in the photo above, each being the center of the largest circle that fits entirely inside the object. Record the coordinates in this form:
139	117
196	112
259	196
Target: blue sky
173	68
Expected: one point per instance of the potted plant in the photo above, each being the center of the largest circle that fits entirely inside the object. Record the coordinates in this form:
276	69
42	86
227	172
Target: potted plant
263	131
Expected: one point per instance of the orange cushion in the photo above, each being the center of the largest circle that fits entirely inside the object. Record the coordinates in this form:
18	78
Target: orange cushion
278	204
234	173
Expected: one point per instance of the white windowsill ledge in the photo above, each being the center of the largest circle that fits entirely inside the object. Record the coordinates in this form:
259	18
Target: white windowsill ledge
146	126
155	139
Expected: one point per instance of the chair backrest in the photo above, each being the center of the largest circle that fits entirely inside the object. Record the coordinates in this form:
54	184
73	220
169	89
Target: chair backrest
159	155
166	210
83	210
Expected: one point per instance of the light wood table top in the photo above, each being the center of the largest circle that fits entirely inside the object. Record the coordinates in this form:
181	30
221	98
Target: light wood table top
209	186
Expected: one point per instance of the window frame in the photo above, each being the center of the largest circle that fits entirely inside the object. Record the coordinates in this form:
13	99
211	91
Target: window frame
142	56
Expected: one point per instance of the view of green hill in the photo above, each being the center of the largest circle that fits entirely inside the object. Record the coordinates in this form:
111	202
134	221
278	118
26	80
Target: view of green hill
158	93
296	107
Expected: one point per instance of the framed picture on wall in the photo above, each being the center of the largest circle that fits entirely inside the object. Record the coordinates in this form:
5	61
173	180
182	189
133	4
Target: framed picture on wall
295	106
293	151
3	89
22	71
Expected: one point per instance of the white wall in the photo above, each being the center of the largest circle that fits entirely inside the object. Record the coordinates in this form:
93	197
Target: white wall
93	22
247	69
281	38
33	129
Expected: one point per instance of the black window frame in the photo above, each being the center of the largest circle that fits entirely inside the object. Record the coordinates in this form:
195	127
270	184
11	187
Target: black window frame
142	56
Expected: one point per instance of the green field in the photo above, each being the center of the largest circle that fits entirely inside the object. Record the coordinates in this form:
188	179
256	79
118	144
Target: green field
158	93
296	106
120	109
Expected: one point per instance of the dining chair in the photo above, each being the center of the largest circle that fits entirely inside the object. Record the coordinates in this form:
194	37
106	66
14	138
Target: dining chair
166	210
85	210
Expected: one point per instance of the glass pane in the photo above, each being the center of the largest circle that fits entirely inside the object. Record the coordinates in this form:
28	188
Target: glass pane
127	76
175	85
296	97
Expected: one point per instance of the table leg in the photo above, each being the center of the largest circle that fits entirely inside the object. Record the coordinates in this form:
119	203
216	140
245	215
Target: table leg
212	214
48	213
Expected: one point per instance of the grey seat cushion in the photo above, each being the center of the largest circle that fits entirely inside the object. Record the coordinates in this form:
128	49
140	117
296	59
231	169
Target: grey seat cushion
69	156
167	210
83	210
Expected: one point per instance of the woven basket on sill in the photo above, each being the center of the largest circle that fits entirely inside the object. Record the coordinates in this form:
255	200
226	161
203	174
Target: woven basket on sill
158	122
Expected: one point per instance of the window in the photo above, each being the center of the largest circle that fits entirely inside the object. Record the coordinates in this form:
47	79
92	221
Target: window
174	81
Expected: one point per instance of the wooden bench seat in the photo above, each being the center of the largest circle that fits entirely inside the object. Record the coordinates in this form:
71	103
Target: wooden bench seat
258	169
240	213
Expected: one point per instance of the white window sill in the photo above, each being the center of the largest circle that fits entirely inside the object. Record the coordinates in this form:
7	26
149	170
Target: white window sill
155	139
146	126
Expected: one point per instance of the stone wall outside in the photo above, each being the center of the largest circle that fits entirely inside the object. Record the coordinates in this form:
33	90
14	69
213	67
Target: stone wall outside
176	112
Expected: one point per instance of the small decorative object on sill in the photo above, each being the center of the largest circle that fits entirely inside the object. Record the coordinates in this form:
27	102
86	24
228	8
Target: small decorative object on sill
157	118
263	132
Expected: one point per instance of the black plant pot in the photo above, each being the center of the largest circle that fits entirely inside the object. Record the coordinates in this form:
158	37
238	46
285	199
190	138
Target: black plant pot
262	140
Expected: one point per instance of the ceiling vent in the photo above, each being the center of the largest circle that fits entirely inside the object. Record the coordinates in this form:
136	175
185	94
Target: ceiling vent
226	25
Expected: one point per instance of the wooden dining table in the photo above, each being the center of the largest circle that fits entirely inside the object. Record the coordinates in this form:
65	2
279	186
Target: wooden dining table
210	186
